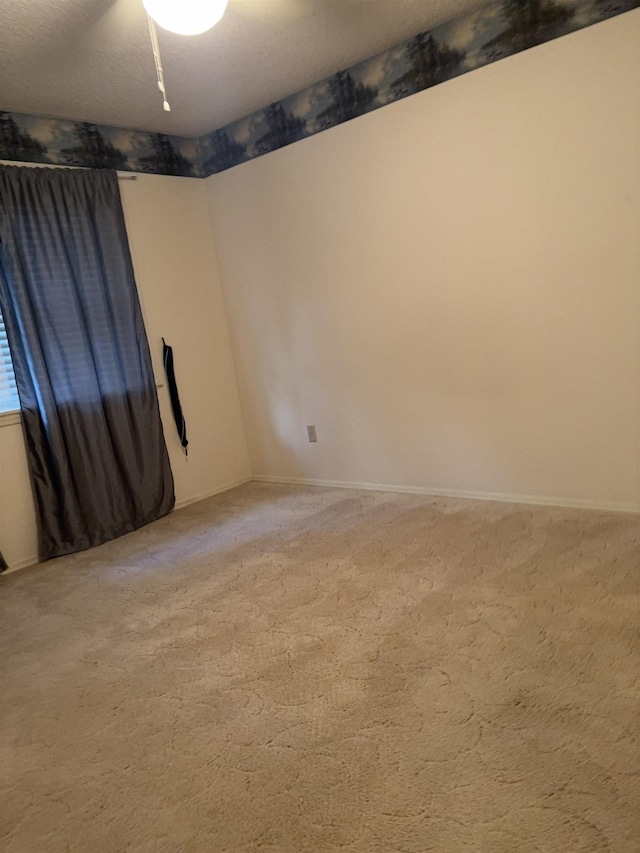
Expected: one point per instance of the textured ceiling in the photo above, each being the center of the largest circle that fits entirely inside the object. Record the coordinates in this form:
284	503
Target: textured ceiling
91	59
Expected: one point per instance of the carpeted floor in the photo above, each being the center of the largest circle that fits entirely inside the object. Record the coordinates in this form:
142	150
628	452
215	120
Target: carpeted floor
294	670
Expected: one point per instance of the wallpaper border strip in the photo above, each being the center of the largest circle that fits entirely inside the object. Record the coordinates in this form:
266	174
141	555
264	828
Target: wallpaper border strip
61	142
497	30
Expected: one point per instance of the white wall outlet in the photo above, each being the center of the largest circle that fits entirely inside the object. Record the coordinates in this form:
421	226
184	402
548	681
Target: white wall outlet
311	432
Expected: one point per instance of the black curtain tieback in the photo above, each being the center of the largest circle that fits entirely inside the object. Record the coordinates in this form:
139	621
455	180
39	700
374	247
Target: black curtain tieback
181	426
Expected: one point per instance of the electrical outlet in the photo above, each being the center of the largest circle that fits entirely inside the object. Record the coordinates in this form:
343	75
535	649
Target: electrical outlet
311	432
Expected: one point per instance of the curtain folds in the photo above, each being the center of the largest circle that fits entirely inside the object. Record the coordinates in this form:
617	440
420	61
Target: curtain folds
96	450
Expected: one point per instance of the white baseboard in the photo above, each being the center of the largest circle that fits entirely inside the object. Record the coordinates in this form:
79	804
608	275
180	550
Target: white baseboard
218	490
21	564
535	500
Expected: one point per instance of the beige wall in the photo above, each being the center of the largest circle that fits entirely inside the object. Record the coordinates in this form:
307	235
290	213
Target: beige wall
448	288
176	270
17	517
177	273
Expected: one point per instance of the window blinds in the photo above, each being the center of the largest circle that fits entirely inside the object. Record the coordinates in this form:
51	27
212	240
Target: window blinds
9	401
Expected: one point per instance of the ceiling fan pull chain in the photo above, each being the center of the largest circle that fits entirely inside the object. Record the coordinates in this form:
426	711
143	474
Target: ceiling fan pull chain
155	47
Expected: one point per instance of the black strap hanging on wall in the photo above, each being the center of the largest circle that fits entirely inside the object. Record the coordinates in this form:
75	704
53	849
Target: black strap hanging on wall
167	357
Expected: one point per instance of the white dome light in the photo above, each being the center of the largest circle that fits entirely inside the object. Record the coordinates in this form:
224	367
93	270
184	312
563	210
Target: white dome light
186	17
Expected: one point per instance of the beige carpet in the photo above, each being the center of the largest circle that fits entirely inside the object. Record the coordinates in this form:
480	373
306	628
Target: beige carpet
291	669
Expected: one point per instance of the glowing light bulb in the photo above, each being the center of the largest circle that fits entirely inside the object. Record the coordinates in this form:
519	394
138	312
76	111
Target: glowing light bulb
186	17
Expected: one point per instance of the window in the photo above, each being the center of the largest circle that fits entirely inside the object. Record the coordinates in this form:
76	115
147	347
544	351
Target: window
9	401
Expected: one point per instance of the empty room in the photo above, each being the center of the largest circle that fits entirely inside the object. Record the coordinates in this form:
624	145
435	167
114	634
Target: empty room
320	426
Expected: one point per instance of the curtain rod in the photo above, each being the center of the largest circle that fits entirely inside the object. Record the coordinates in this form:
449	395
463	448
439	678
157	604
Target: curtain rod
120	177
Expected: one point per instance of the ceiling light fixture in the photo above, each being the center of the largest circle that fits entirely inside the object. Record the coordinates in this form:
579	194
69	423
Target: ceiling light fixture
186	17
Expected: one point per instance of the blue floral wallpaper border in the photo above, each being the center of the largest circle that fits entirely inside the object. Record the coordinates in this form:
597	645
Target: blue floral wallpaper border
497	30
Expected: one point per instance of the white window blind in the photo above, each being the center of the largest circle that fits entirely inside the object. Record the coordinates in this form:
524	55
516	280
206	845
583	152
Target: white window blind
9	401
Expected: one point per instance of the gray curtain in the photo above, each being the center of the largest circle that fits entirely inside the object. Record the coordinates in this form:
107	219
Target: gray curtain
96	450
